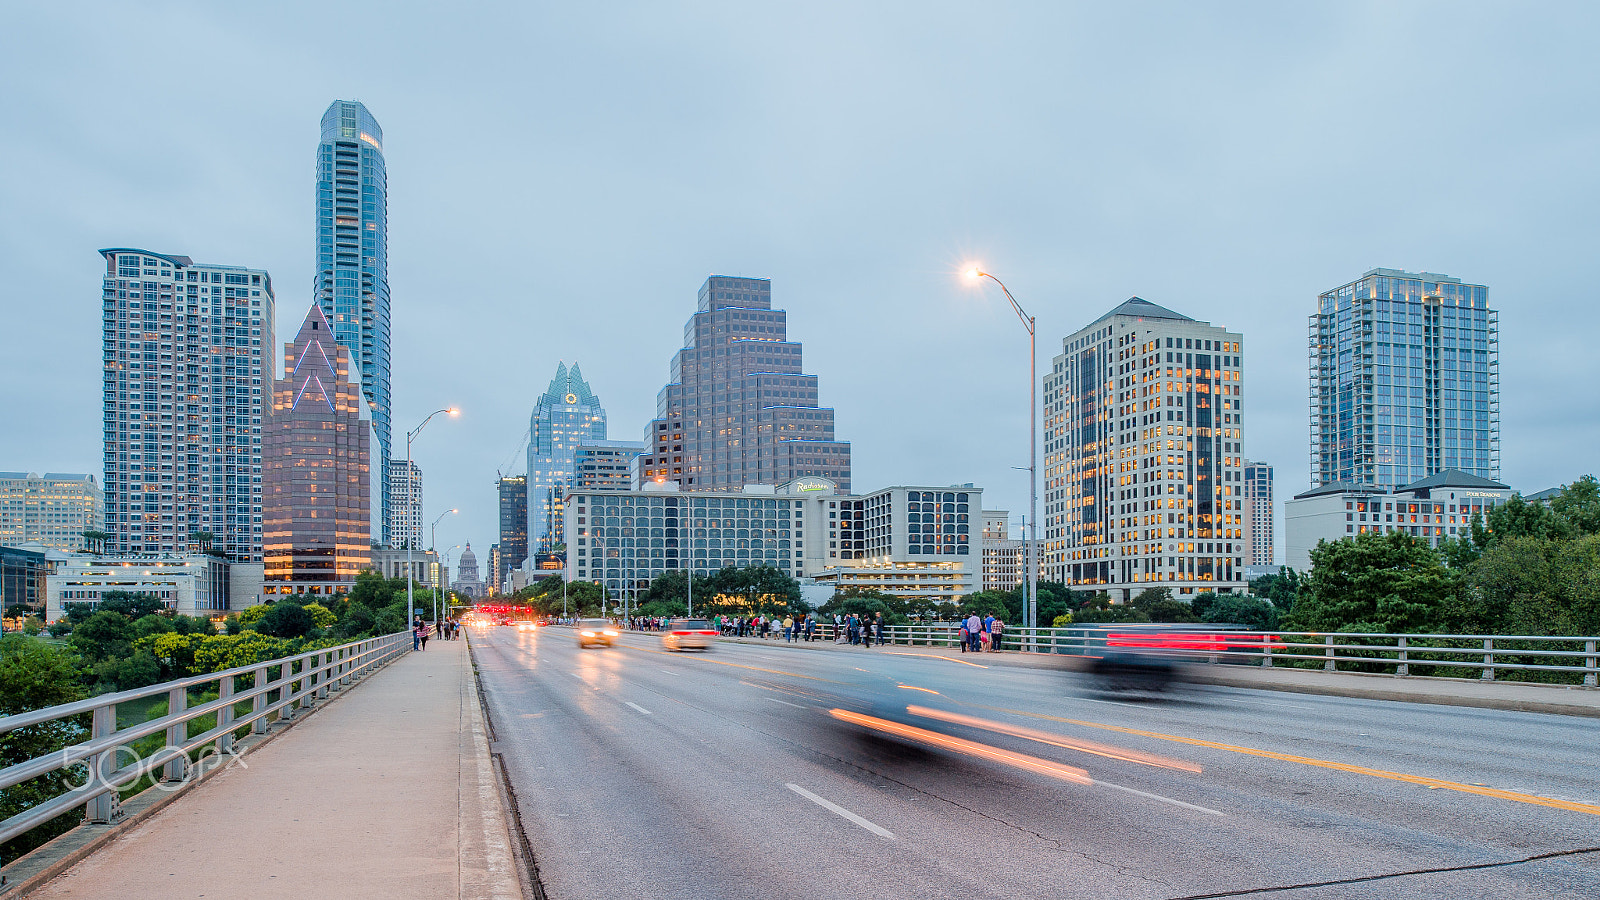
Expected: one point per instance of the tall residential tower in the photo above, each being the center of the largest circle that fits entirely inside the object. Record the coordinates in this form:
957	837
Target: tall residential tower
184	380
567	414
739	410
1143	430
1405	380
352	281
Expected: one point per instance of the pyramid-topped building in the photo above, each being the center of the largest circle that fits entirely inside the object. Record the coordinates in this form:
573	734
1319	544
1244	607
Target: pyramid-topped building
317	457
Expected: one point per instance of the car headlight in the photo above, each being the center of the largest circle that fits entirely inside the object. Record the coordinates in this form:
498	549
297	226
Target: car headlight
587	633
611	633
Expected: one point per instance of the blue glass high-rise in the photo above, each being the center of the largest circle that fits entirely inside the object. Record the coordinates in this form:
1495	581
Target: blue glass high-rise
352	281
1405	380
566	415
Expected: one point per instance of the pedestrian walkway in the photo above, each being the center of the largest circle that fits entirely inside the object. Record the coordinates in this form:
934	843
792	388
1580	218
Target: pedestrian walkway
386	792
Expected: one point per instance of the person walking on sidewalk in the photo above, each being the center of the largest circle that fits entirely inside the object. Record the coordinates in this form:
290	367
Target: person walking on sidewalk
416	633
877	629
974	627
995	632
421	635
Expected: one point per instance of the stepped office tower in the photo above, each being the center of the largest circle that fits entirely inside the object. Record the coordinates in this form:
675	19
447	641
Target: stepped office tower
319	470
1405	380
352	282
1143	430
739	410
568	414
183	379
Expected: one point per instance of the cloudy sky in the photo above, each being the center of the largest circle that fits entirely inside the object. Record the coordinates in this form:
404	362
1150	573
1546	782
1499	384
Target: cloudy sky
563	177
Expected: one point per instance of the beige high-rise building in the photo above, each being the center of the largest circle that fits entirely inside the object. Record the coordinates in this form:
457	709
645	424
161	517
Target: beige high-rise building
52	509
1143	443
1259	519
185	381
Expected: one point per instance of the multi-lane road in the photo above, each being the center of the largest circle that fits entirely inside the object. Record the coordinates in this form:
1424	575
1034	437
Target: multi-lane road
764	771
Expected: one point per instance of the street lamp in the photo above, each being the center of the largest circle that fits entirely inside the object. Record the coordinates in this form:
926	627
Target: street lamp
411	435
433	541
1032	615
439	573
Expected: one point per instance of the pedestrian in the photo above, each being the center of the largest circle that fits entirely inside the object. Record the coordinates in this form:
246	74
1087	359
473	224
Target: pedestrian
966	636
416	633
877	629
853	630
974	628
811	628
838	628
422	634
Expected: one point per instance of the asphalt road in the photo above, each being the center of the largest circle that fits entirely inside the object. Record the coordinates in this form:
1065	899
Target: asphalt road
640	773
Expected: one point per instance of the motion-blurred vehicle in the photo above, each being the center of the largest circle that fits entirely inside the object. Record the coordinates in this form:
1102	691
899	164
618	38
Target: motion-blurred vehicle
525	625
688	634
1153	658
596	631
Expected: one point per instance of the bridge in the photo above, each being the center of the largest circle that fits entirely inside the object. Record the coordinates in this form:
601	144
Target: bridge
772	769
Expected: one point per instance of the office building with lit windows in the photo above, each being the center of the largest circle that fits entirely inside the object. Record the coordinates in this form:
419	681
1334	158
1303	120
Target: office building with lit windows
184	381
320	496
1144	436
907	540
738	409
566	415
52	510
352	280
1405	380
605	465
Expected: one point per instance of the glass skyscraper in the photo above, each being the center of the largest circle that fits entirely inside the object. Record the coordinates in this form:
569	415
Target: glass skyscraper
1405	380
352	281
567	414
739	409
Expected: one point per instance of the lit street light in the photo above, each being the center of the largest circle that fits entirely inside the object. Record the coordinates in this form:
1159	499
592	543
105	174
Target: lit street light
1031	617
433	541
411	579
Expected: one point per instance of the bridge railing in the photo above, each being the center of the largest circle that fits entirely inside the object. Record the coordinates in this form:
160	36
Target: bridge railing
1473	655
105	765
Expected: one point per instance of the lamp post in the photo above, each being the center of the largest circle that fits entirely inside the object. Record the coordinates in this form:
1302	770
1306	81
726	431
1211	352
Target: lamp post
411	540
1032	615
439	576
433	541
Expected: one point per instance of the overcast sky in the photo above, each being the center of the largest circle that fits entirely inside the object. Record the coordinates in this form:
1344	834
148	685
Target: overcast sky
562	178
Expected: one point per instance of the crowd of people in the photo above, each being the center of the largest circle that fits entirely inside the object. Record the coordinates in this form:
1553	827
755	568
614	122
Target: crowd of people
446	630
978	634
981	634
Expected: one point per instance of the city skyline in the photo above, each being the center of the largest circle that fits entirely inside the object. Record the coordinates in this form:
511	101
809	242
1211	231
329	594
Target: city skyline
866	252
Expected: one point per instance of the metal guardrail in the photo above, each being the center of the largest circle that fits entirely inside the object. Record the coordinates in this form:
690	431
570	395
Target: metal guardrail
301	681
1398	653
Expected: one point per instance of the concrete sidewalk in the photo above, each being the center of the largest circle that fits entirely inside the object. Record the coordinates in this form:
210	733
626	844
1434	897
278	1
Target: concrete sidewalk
387	791
1509	695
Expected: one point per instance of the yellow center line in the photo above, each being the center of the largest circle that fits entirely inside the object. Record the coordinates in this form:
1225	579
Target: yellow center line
936	656
1496	793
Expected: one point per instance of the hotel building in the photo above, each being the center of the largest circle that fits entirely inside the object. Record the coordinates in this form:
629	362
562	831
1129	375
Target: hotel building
918	541
1435	509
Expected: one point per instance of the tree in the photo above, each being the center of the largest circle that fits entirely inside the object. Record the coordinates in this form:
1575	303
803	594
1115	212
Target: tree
321	616
1254	613
1578	504
988	603
1158	605
285	620
1281	588
133	604
94	541
35	675
102	635
1387	583
754	590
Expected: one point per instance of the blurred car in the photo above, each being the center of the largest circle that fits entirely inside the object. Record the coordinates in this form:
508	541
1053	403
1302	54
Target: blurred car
596	631
524	625
687	634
